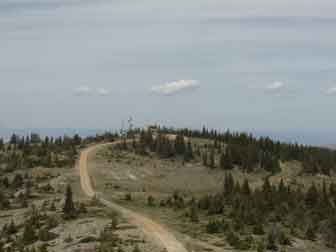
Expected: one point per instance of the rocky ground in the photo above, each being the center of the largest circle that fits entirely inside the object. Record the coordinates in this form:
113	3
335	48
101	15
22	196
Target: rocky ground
87	232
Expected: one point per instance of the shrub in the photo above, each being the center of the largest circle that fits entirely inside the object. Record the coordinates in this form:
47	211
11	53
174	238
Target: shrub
233	240
271	242
114	222
194	214
213	227
68	239
128	197
51	222
258	229
284	239
82	208
44	235
261	247
151	201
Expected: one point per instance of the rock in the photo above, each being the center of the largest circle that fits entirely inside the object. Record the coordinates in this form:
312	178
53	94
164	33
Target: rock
20	193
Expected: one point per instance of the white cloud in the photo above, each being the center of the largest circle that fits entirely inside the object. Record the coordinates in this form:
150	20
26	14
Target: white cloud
280	89
174	87
277	88
331	91
103	92
83	90
277	85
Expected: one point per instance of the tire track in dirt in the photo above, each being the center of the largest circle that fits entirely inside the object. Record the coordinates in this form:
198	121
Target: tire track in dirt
152	229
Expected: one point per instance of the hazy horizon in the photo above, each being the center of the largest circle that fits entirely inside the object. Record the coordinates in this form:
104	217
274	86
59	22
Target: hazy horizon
255	66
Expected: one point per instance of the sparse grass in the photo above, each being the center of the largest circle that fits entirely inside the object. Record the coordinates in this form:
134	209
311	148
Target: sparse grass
119	173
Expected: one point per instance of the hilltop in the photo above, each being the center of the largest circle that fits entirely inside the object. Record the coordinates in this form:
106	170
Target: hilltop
164	188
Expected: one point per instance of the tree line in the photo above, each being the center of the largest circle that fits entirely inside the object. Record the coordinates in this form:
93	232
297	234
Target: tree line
160	144
32	151
248	151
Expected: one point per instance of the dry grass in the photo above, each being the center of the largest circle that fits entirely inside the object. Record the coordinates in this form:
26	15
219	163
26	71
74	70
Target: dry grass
118	173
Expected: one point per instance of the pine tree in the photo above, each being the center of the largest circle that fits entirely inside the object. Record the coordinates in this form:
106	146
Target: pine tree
246	188
325	197
311	233
281	187
69	209
188	155
267	188
275	166
17	181
12	229
205	159
13	139
271	241
151	201
212	162
258	229
134	144
149	138
2	145
28	235
312	196
193	214
226	162
331	232
180	147
5	182
228	184
261	247
213	227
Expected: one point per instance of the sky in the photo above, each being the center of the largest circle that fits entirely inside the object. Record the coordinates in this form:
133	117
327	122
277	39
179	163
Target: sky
246	65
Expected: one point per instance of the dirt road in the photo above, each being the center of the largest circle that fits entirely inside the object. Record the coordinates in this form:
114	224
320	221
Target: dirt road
152	229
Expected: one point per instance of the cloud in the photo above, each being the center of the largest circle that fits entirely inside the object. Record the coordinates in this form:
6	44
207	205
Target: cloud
331	91
277	85
83	90
103	92
175	87
280	89
277	88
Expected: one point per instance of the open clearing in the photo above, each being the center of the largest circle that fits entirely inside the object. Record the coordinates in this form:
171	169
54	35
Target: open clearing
116	174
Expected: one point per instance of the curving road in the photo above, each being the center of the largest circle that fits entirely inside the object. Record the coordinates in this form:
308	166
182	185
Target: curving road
152	229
